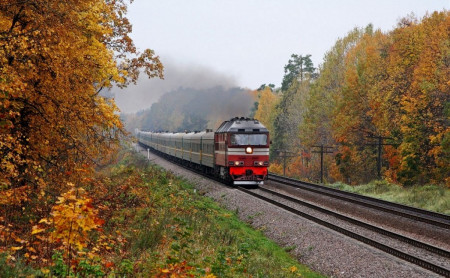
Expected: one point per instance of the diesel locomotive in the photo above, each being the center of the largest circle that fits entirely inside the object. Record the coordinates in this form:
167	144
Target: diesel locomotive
237	152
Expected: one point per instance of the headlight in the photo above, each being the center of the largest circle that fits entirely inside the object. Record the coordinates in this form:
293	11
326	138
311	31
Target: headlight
249	150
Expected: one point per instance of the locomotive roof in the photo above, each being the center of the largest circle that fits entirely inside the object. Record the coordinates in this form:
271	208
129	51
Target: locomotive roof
242	125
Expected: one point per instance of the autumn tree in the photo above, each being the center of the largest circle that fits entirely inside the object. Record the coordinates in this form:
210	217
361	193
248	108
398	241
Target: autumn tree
257	96
266	108
418	85
395	85
56	57
354	117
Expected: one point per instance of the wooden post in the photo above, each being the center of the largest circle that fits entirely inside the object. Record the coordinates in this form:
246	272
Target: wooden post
380	145
323	149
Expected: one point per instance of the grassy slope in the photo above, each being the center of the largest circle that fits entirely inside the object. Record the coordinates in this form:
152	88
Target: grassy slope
174	230
429	197
156	225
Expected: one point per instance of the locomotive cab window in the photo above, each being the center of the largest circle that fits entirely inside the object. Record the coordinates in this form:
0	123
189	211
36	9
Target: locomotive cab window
249	139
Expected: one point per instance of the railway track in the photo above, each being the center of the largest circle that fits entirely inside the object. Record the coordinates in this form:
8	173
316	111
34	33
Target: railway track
288	203
429	217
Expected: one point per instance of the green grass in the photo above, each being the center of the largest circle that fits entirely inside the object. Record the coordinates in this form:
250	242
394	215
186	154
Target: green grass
19	269
430	197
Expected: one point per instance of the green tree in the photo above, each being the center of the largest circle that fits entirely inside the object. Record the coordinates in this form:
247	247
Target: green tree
299	72
263	86
298	67
289	116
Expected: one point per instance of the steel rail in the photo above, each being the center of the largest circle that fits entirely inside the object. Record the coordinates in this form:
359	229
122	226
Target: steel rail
413	242
402	255
437	219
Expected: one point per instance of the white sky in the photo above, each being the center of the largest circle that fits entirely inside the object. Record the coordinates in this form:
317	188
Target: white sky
250	41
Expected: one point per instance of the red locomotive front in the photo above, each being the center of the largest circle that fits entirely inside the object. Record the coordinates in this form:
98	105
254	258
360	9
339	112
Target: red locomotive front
242	151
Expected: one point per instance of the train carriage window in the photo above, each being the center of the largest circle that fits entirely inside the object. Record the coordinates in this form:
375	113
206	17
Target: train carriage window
249	139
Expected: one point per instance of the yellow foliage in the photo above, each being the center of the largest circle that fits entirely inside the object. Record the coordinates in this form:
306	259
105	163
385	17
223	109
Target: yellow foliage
56	58
276	168
266	108
73	217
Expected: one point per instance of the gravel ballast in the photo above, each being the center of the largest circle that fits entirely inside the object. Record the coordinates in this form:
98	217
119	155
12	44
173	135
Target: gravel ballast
322	249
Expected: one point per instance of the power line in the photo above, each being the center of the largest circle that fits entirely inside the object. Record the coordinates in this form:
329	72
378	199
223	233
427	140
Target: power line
285	154
323	149
380	143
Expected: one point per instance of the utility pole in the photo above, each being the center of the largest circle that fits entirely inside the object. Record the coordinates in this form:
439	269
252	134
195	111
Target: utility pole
322	149
285	154
380	145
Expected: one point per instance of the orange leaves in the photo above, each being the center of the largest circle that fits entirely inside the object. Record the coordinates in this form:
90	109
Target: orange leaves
14	248
14	196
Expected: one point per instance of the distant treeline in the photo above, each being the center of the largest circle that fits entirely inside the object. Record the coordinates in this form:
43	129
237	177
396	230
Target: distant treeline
373	87
192	110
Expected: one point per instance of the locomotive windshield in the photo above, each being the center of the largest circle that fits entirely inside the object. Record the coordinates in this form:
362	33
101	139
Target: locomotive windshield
249	139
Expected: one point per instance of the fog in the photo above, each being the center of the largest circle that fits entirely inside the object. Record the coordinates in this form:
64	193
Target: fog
148	91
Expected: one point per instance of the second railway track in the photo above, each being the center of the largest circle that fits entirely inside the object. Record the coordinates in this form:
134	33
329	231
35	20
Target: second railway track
429	217
436	263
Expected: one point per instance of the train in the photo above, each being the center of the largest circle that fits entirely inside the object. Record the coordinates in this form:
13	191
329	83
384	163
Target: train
237	152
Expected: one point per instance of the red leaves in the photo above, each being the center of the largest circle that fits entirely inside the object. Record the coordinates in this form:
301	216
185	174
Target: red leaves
109	264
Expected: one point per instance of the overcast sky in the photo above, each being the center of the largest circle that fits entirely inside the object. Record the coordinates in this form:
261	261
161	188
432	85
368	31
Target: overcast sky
250	41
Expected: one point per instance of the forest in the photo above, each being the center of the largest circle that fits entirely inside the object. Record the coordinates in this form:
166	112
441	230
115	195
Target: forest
378	104
66	209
